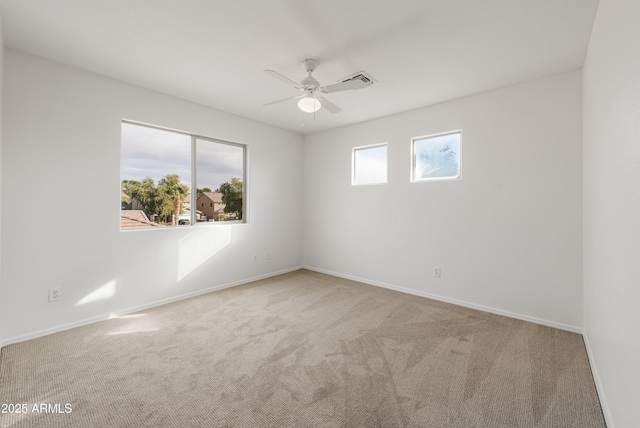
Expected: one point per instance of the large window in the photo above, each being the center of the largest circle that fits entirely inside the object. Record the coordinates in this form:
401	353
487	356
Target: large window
171	178
436	157
369	165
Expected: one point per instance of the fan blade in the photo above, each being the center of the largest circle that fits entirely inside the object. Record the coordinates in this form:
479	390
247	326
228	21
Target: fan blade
282	100
329	105
349	85
283	78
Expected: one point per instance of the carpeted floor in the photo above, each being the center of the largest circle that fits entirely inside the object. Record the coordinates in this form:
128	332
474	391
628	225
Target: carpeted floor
302	350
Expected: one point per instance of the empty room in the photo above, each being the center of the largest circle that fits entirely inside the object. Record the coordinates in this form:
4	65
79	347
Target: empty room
298	213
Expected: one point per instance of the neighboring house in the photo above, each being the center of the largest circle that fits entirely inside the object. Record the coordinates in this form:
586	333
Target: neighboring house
129	203
211	205
131	219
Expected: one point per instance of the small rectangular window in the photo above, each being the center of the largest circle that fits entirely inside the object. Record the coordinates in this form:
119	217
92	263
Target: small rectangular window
164	171
436	157
369	165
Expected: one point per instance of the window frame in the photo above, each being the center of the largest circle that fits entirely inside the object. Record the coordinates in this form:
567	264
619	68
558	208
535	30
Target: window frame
353	164
193	176
414	179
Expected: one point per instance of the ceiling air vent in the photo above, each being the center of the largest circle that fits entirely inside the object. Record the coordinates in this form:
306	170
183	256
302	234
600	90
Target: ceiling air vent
361	75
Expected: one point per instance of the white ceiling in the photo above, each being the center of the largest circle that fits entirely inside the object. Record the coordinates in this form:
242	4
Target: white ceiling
213	52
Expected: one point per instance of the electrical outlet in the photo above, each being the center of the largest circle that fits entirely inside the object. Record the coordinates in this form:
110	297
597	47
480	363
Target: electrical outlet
437	272
55	294
255	258
268	256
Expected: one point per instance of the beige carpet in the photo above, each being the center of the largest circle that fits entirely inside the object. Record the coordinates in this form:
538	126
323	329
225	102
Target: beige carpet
303	350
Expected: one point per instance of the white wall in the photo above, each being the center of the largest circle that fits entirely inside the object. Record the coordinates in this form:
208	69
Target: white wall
61	201
3	320
612	208
507	235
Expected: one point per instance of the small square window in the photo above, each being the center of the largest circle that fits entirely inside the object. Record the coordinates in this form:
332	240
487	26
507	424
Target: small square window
369	165
436	157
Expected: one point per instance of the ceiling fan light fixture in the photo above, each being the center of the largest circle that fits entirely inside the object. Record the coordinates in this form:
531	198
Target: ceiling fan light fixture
309	104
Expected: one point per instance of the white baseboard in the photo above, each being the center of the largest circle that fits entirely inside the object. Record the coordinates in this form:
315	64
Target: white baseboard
596	378
561	326
139	308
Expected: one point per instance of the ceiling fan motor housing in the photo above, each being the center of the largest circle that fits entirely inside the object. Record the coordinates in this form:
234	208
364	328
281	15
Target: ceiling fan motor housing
309	83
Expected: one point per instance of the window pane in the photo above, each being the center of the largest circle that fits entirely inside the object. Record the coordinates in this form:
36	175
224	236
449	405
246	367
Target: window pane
437	157
155	176
219	181
370	165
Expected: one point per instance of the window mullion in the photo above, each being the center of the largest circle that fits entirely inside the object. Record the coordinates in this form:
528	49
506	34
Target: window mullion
193	193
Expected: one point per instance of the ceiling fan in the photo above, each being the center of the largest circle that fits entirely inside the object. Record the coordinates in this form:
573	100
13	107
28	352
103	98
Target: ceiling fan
309	101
